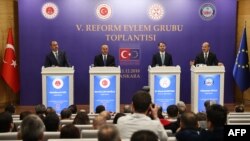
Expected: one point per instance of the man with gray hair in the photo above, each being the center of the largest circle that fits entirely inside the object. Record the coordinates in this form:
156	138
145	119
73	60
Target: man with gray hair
108	132
32	128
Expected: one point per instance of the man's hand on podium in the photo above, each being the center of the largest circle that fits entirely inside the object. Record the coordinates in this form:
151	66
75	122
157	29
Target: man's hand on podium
220	64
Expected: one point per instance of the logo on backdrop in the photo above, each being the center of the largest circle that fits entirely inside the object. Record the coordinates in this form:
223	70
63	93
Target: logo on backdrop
104	83
156	12
207	11
57	83
103	11
50	10
129	56
165	82
209	82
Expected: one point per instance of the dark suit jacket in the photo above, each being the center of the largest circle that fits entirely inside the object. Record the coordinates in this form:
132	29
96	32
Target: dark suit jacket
51	60
211	60
99	60
156	61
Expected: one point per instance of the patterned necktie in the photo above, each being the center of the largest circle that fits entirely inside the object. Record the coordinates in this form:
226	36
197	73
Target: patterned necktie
104	60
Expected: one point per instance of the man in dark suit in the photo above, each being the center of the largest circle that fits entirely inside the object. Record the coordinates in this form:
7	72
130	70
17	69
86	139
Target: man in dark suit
162	58
104	59
56	57
206	57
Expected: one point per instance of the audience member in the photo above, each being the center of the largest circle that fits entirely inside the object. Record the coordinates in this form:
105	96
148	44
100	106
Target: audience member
144	135
202	120
99	109
51	122
216	119
108	132
188	130
117	116
127	109
164	122
73	109
129	124
239	108
106	114
98	122
32	128
65	114
10	108
172	111
181	107
24	114
69	131
40	109
208	103
6	122
50	110
81	118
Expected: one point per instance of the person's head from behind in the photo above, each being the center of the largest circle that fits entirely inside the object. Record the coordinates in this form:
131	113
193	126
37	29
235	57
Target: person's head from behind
160	110
127	109
117	116
216	116
73	109
181	107
208	103
98	121
54	46
65	113
172	111
51	122
162	46
69	131
188	120
10	108
141	101
50	110
239	108
144	135
6	122
81	118
40	109
108	132
99	109
104	49
205	47
32	128
106	114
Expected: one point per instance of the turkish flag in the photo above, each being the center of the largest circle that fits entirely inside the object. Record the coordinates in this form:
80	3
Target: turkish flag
9	68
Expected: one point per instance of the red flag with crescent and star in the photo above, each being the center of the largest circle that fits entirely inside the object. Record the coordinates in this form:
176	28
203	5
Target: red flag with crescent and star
9	69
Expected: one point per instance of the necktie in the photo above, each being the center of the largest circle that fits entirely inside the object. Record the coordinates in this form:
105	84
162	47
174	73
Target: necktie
205	58
56	55
162	58
104	60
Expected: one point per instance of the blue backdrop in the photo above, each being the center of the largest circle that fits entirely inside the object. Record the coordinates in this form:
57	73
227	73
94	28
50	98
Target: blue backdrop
132	29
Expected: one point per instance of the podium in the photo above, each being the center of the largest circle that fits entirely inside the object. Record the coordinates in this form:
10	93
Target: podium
164	83
207	83
105	88
57	87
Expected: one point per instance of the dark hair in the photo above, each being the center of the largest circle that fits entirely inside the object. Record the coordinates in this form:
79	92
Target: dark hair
99	109
10	108
217	115
65	113
144	135
51	122
69	131
162	43
108	132
5	122
73	109
117	116
141	101
81	118
239	108
172	111
40	109
189	120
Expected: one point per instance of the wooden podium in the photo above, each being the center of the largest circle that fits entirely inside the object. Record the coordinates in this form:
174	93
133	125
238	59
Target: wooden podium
164	83
58	87
207	83
105	88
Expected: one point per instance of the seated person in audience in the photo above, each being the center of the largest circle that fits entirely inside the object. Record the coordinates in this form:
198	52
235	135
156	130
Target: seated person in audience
117	116
65	114
127	109
106	114
239	108
144	135
208	103
139	120
73	108
81	118
52	122
32	128
98	121
202	120
10	108
40	109
69	131
188	130
50	110
6	122
24	114
216	119
99	109
181	107
164	122
108	132
172	111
